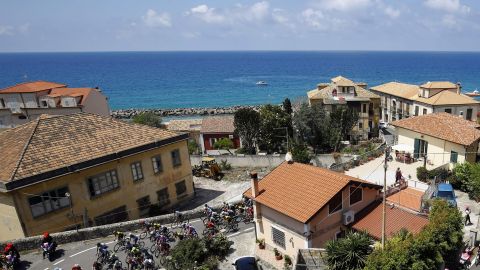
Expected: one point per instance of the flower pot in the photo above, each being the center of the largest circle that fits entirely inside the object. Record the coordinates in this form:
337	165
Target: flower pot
261	246
278	257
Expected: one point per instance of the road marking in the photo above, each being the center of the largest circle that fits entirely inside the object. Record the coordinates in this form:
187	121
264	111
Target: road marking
59	262
108	243
81	252
46	268
249	229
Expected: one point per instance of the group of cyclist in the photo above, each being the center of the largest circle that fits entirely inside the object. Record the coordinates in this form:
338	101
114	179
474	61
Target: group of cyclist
228	217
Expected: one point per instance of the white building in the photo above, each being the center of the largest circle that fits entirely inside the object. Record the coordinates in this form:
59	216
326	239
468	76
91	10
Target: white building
401	100
26	101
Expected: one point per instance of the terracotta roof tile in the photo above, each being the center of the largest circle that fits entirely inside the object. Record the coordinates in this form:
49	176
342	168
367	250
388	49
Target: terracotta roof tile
439	85
299	190
54	142
444	126
326	92
30	87
185	125
218	124
409	198
370	220
72	92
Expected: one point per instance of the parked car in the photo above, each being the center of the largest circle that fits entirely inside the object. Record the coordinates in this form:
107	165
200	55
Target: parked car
445	191
382	124
246	263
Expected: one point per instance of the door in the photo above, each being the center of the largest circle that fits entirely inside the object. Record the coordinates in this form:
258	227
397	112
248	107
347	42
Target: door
416	148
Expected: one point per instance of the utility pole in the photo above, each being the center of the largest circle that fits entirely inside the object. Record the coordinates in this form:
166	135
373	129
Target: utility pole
385	166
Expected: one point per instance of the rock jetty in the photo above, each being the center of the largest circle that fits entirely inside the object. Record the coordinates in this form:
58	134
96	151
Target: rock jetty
130	113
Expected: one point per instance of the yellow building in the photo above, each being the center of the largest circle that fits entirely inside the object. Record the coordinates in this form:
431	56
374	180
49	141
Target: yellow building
344	92
62	172
444	139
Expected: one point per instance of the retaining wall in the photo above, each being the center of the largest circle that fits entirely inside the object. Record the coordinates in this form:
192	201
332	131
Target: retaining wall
34	242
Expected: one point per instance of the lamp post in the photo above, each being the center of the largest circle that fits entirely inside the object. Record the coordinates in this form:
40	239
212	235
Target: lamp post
72	215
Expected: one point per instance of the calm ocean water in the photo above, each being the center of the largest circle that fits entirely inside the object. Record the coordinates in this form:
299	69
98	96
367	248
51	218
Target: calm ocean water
198	79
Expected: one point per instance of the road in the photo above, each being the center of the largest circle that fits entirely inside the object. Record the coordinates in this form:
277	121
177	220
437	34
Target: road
84	253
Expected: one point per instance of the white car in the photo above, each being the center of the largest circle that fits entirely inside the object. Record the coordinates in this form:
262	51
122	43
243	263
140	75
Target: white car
382	124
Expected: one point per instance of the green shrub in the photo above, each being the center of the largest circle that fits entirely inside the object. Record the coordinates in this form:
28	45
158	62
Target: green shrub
193	147
218	245
187	253
224	165
422	174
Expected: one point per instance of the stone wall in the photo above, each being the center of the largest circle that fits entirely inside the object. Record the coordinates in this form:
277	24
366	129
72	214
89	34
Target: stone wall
31	243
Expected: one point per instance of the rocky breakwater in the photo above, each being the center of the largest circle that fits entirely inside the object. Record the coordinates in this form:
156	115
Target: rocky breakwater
130	113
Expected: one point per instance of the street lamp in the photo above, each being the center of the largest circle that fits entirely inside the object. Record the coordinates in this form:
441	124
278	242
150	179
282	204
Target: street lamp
71	214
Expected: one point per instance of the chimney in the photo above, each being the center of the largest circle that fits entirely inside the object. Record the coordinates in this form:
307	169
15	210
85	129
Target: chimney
459	88
254	177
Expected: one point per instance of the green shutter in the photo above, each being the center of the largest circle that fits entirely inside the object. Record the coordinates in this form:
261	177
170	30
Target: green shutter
416	149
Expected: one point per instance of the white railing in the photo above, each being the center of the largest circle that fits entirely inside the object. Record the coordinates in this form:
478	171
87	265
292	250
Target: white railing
417	185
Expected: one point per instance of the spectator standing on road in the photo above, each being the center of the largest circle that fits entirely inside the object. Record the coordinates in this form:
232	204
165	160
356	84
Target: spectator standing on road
467	216
398	176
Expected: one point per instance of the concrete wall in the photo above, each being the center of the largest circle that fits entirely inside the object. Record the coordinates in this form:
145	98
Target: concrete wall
10	226
438	151
126	195
294	238
96	103
324	160
325	225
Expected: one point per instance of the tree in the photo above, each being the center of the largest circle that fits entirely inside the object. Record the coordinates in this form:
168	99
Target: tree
467	176
224	144
275	126
247	127
342	121
192	147
186	253
148	118
348	253
287	106
300	153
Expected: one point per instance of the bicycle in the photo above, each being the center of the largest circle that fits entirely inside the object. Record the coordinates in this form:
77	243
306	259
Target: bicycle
178	219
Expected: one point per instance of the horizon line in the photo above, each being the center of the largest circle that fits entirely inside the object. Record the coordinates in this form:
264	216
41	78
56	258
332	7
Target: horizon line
188	51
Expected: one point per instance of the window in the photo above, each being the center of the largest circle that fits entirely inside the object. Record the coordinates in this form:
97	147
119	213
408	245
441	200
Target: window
364	108
48	202
180	187
116	215
144	203
360	125
278	237
163	197
137	171
334	92
448	110
213	141
157	164
335	203
44	103
453	157
102	183
416	110
2	102
355	195
176	161
469	114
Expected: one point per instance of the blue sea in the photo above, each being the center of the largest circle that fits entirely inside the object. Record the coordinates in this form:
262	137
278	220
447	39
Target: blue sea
210	79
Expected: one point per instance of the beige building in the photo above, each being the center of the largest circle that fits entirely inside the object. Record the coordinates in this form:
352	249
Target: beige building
190	126
444	139
344	92
62	172
27	101
401	100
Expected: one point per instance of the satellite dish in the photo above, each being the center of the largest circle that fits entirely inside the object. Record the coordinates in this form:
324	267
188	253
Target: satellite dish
289	157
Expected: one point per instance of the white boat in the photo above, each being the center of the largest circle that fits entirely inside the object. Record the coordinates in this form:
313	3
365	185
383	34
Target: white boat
263	83
475	93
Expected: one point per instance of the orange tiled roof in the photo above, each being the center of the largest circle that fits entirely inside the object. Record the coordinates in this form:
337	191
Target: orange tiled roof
30	87
409	198
218	124
299	190
72	92
370	220
55	142
444	126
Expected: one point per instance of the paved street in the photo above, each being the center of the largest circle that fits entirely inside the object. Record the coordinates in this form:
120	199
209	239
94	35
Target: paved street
84	253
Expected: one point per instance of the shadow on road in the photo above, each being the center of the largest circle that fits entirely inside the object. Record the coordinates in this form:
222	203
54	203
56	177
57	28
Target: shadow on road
23	265
202	196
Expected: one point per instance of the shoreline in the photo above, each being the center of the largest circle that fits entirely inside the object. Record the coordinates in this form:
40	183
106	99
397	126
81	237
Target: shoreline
130	113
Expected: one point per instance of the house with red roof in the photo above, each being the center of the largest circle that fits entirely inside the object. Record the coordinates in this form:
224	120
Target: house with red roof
299	206
215	128
27	101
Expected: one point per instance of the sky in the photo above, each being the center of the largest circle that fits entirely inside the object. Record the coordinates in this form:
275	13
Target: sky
178	25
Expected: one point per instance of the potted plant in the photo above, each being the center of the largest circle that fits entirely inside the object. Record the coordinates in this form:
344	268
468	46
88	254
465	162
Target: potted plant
261	243
288	260
278	256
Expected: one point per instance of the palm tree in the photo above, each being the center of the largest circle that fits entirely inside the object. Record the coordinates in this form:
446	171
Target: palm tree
349	253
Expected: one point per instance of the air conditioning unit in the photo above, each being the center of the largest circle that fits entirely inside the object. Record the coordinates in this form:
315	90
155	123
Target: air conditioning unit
230	136
348	217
